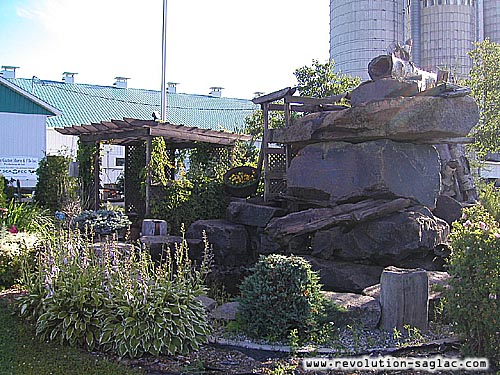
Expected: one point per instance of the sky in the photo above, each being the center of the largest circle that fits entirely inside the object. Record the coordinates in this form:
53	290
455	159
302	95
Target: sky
241	45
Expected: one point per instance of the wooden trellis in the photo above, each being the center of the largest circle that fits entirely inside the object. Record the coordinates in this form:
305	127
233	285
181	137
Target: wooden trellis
276	158
137	135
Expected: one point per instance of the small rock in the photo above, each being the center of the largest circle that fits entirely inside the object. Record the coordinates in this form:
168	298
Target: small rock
448	209
226	311
363	309
208	302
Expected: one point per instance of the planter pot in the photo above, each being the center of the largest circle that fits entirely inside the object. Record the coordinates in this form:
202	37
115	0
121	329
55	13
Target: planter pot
244	190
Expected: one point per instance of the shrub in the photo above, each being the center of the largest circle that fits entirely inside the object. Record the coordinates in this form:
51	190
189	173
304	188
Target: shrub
282	294
3	194
115	299
13	247
102	221
186	201
474	297
489	196
55	188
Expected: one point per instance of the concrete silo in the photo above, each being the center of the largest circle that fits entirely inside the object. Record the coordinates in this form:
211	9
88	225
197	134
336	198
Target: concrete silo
448	30
491	19
363	29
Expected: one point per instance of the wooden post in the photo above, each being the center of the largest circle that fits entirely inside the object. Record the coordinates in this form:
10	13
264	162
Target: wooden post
404	297
149	146
97	177
265	138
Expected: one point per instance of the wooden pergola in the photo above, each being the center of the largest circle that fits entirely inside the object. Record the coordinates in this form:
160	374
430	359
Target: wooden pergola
132	132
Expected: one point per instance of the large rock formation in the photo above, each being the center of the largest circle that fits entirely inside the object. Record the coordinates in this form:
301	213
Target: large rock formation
343	171
395	239
408	119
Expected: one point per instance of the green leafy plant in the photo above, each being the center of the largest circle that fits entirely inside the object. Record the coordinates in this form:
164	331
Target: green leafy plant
489	195
54	188
184	201
3	194
103	221
26	217
281	295
115	299
473	299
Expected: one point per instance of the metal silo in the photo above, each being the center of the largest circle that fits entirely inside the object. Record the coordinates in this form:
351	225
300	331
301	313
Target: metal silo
448	30
491	20
361	30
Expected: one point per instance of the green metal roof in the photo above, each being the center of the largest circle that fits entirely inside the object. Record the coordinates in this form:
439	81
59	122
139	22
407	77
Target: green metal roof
15	100
85	104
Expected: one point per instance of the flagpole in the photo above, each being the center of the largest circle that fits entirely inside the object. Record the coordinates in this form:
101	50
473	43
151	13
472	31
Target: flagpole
163	112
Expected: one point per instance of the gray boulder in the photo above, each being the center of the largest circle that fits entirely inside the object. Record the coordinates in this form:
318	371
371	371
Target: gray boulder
227	311
379	89
358	308
229	241
395	239
344	171
448	209
345	276
407	119
250	214
208	303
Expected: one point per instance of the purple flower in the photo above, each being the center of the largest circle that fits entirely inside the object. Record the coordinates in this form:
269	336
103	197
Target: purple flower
467	224
483	226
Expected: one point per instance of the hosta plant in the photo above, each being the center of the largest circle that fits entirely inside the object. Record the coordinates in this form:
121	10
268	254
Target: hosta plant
115	298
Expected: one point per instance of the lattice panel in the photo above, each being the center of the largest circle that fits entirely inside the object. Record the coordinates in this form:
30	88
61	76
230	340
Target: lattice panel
277	187
276	180
135	161
277	162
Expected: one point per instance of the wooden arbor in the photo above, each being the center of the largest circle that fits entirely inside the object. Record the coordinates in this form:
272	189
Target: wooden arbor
133	133
276	160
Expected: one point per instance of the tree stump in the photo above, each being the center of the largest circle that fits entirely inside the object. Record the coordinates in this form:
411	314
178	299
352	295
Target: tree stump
404	297
153	227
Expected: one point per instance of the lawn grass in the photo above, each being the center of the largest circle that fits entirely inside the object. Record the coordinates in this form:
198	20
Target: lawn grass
21	353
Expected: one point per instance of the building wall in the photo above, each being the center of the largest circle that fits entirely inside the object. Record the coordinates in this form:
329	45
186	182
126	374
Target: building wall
22	145
448	30
361	30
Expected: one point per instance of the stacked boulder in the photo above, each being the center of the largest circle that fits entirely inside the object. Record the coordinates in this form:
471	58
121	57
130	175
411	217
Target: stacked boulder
363	188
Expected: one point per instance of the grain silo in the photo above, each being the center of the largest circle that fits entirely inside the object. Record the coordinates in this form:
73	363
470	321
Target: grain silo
491	17
448	30
363	29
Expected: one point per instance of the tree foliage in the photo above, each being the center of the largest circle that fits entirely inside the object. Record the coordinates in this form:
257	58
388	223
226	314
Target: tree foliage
55	188
320	80
485	88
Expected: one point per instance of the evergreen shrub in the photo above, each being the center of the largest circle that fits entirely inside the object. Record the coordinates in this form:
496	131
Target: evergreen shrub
282	294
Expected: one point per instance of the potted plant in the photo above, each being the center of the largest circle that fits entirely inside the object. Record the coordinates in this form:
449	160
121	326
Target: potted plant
241	181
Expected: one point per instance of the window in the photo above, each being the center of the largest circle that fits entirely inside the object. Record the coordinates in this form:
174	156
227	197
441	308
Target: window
119	162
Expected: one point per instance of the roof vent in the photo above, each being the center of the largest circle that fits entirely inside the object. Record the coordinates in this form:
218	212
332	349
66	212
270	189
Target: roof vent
216	92
121	82
69	77
172	87
8	71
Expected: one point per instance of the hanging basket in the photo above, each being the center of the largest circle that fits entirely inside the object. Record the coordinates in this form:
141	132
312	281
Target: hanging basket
241	182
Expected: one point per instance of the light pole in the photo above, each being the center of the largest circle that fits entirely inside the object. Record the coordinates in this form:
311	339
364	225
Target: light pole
163	112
